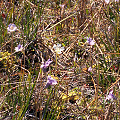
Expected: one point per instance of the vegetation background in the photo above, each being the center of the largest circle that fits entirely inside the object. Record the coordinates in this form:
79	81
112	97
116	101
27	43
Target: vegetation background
87	75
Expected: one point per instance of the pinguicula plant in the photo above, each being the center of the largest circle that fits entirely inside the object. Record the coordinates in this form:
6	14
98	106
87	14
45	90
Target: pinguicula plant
90	69
58	49
45	65
107	1
11	27
50	81
111	96
90	41
19	48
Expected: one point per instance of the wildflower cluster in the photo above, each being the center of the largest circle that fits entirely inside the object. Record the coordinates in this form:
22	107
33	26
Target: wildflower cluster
50	80
54	62
12	28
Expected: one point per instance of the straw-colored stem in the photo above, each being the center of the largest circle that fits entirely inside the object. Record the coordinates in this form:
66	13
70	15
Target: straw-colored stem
12	44
56	62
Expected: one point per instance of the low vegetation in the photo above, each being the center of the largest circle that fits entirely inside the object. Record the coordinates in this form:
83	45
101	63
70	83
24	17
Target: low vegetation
60	60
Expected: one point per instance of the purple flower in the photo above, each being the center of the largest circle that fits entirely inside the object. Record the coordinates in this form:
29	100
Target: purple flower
50	81
45	65
107	1
90	41
62	6
11	27
90	69
111	96
19	48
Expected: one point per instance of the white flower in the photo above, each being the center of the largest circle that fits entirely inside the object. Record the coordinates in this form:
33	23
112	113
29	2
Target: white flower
62	6
109	28
18	48
90	69
58	49
107	1
11	27
75	58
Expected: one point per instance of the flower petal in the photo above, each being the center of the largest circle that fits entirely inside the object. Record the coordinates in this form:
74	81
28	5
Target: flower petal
11	27
58	45
62	48
51	81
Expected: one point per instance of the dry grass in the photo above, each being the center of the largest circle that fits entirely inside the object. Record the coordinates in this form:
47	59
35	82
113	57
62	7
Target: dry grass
79	94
